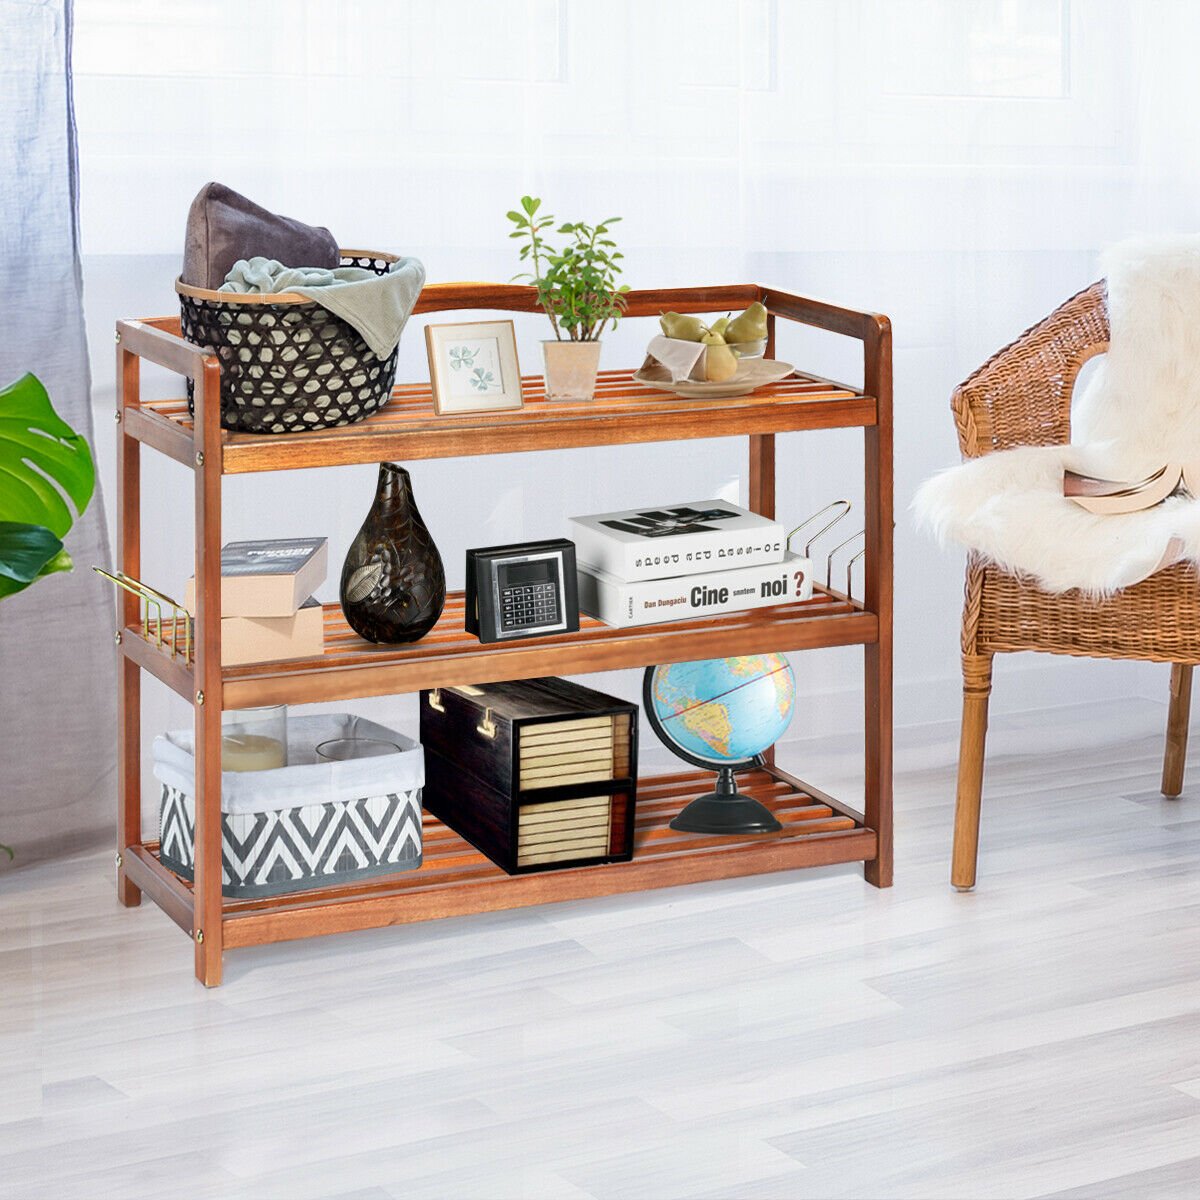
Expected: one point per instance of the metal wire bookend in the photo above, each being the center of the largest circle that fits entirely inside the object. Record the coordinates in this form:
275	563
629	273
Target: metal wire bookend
850	572
862	533
843	505
153	604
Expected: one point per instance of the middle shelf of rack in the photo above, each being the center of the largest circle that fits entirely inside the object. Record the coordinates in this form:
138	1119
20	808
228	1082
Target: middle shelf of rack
350	667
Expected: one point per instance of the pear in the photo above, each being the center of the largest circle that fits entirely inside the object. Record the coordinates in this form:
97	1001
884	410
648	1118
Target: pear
750	326
718	326
720	363
681	327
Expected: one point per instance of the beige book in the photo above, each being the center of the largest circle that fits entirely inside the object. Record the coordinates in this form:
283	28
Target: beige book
535	824
558	809
571	831
587	767
555	732
247	640
535	858
566	752
563	830
267	578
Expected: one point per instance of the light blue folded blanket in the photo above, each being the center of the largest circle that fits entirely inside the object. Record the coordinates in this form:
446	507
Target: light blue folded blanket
378	306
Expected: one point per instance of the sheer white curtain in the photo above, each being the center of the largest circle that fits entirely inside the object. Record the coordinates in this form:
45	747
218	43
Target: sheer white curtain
56	662
954	163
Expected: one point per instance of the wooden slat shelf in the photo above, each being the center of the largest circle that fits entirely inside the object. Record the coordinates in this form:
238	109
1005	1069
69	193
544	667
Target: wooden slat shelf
455	879
818	830
352	668
407	428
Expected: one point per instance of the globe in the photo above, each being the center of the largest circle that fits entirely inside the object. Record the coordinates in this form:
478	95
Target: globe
722	711
722	714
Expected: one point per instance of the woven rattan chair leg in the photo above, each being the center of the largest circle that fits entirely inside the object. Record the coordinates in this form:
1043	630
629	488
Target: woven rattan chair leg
1178	716
977	688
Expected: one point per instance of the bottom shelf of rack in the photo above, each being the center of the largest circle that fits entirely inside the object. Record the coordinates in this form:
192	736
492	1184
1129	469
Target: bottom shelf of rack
456	879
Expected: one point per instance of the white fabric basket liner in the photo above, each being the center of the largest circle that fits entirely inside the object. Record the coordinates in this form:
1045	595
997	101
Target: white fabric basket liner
306	779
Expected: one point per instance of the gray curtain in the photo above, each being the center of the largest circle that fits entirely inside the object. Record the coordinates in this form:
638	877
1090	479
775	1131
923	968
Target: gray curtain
57	669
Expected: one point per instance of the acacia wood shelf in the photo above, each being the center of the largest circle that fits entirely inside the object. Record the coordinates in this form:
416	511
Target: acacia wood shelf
350	668
455	879
623	413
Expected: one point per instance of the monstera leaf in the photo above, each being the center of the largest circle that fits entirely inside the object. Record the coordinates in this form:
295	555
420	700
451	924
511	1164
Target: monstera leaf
43	464
27	552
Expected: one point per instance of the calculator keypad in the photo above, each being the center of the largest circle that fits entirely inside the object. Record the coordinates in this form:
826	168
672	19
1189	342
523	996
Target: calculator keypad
529	605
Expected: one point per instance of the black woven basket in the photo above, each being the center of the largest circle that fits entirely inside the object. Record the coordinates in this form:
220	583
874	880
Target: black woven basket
288	364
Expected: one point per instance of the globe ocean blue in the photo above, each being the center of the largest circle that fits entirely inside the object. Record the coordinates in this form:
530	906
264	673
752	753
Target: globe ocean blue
724	710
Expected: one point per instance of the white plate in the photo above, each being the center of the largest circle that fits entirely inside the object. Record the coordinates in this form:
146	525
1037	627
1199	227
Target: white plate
752	373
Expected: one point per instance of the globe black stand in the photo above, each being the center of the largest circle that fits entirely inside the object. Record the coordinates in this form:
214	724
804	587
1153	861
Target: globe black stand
726	810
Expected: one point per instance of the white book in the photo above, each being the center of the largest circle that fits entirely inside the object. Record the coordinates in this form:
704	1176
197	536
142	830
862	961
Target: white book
651	602
676	539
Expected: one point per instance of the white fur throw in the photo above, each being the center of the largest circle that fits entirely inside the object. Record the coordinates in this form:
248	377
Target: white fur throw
1140	410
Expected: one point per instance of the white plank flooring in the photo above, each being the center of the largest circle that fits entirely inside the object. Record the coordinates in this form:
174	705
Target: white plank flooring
793	1036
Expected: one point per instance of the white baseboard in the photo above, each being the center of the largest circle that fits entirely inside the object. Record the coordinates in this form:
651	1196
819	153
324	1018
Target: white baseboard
1035	710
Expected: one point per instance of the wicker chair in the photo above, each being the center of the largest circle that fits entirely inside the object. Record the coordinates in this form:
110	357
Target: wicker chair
1022	397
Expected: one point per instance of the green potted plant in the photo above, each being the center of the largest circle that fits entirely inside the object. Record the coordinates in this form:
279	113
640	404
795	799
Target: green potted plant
44	464
577	289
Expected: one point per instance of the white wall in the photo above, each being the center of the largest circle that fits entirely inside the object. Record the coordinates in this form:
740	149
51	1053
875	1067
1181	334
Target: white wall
953	163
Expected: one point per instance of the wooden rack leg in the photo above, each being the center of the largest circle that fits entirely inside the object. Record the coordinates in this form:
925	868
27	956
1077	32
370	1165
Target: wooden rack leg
762	492
1178	717
129	775
129	676
877	590
207	930
877	806
762	474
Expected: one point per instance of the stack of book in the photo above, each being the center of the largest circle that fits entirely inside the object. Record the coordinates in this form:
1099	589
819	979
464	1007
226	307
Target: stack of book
268	612
554	782
564	830
646	566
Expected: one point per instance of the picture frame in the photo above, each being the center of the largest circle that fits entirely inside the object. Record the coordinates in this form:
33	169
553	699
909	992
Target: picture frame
473	367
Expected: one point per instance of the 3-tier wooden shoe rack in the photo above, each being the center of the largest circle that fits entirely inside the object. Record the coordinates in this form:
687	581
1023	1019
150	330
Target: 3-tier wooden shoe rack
455	879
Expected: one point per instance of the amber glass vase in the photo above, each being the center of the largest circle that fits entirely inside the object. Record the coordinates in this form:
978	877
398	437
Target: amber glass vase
393	585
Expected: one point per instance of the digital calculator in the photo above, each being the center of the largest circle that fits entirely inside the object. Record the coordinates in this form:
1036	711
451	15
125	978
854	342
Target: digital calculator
524	590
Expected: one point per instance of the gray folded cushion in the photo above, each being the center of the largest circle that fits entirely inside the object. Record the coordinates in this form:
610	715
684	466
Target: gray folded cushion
224	226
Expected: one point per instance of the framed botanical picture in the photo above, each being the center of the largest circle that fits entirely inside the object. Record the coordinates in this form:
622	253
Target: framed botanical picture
473	366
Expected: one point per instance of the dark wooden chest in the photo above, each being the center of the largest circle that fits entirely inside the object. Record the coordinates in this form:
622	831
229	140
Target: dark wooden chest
536	773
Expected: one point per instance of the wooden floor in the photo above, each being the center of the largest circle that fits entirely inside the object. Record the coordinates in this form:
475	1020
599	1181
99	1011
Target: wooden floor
792	1036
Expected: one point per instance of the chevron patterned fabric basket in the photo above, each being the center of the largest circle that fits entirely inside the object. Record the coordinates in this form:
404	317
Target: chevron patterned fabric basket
274	837
264	854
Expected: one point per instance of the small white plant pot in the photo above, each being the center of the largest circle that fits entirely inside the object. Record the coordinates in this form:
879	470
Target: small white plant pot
571	369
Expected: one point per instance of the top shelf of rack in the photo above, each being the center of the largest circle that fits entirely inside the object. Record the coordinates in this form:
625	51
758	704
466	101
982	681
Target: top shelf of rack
623	412
407	428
